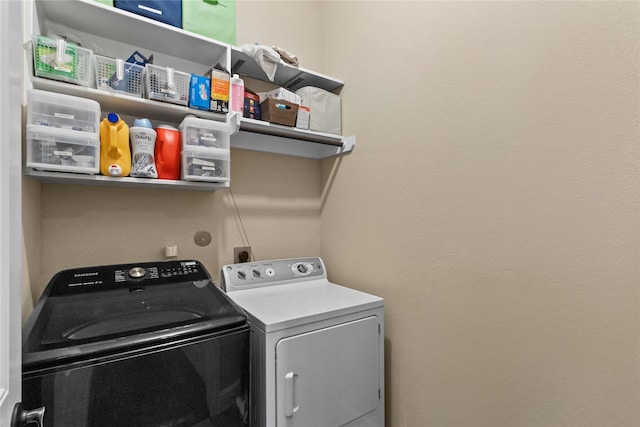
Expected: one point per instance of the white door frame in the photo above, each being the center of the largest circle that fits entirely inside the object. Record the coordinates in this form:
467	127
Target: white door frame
11	95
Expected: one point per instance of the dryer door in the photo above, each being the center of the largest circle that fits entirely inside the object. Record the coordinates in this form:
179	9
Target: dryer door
328	377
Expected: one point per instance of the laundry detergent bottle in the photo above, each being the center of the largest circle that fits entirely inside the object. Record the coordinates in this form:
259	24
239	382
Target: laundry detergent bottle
115	155
143	141
167	152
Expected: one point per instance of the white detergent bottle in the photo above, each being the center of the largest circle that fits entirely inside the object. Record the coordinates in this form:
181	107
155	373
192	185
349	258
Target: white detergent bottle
237	94
143	141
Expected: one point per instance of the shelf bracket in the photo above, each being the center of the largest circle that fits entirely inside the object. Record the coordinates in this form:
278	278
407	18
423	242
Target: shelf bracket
348	145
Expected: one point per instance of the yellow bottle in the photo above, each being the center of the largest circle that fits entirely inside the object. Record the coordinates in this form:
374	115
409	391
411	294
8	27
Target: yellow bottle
115	154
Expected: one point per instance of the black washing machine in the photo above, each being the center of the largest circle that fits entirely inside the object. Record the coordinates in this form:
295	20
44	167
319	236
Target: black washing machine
148	344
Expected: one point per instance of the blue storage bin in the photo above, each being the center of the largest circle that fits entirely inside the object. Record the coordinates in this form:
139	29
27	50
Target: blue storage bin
167	11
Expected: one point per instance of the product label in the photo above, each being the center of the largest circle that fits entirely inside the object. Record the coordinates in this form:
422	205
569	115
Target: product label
201	162
143	163
220	89
114	170
64	116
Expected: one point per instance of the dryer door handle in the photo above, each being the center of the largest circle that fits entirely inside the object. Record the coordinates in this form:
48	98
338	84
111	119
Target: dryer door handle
290	407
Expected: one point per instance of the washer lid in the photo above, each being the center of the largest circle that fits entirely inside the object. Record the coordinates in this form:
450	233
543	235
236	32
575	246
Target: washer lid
288	305
98	309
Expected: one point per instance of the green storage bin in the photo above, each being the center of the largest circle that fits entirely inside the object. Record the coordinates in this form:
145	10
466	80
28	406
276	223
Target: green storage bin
215	19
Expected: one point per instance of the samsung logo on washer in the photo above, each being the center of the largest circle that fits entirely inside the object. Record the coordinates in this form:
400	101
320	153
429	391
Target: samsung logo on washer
93	273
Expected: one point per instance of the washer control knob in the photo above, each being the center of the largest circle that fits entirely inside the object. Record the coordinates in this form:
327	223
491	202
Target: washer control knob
256	273
241	275
137	272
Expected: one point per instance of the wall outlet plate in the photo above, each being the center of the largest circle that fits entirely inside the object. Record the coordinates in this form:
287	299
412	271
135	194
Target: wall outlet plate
242	254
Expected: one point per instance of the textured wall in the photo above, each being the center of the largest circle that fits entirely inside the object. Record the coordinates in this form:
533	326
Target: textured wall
493	201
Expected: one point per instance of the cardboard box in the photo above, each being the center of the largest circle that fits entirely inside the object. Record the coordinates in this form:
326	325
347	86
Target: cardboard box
199	92
302	120
219	90
325	109
280	93
251	106
279	111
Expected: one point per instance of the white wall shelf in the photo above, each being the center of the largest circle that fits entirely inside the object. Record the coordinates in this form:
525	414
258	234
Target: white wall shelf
287	76
118	32
111	23
125	104
74	178
272	138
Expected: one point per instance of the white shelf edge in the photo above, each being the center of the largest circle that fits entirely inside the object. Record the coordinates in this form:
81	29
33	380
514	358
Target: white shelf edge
72	178
267	128
124	104
96	18
295	147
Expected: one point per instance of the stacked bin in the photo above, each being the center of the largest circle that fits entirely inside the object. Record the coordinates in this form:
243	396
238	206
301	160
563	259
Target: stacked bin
63	133
205	150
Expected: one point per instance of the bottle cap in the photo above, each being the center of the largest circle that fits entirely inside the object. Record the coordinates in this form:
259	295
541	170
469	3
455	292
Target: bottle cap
163	126
142	123
113	117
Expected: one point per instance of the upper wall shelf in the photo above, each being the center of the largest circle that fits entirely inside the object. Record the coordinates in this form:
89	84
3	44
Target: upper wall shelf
126	31
95	18
287	76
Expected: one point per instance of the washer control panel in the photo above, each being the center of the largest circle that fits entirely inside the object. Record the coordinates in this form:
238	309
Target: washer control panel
138	276
270	273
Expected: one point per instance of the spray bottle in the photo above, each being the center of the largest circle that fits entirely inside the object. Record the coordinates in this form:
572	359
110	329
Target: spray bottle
237	94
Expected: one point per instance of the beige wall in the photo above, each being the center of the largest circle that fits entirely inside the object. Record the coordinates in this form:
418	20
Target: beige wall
493	201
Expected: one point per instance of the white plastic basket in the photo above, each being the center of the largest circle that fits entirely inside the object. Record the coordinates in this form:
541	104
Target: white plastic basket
166	84
56	59
118	76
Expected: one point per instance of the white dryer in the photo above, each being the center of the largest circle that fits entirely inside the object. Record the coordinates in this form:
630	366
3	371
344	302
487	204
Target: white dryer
317	347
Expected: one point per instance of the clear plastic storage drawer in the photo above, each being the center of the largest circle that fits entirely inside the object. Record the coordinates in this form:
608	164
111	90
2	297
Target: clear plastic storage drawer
62	111
205	164
62	150
204	133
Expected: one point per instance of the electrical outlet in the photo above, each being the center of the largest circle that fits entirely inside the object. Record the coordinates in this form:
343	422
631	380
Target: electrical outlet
242	254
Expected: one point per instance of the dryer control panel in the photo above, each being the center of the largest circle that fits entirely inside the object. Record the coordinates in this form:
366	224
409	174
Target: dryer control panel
271	273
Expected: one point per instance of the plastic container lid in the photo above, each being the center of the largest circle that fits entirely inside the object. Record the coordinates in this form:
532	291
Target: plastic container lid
142	123
113	117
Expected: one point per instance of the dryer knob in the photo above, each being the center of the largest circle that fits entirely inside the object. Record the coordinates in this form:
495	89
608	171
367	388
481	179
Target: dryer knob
241	275
256	273
137	272
302	268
